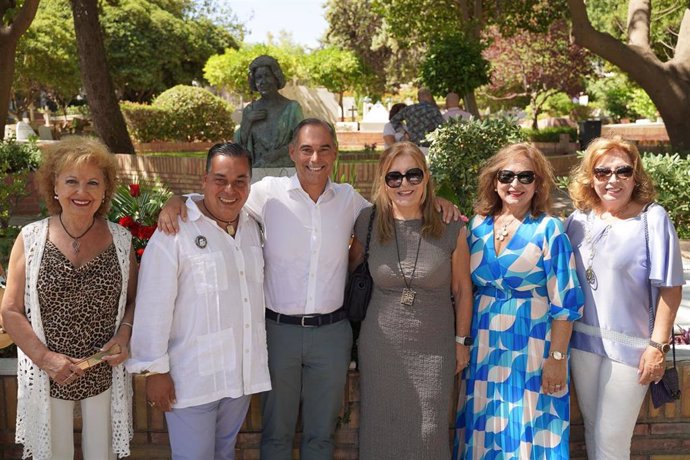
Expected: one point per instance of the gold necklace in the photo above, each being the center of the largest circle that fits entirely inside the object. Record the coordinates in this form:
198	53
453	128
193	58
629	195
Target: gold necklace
503	232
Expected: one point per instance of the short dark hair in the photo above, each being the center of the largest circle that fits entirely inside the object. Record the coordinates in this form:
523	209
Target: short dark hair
228	149
395	109
313	122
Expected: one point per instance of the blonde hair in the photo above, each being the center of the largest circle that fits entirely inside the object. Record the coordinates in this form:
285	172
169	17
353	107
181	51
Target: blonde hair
581	179
432	226
75	151
489	202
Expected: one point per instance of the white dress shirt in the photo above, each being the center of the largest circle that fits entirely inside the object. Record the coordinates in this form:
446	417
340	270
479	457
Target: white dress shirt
305	243
200	311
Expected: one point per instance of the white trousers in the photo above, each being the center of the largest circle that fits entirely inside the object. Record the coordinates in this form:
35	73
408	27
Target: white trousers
96	432
609	397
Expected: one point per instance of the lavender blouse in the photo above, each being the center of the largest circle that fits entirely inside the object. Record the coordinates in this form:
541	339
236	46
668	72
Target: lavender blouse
615	322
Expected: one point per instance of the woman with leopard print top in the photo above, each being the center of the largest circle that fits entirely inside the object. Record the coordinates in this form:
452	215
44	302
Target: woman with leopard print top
70	294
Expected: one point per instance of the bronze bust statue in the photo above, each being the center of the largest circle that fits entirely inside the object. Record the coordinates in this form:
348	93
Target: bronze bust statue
267	123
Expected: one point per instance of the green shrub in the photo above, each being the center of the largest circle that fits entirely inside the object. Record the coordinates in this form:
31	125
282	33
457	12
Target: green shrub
550	134
16	161
146	123
182	113
458	151
194	114
671	175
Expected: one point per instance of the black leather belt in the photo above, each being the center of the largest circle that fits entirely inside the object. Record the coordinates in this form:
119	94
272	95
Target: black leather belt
308	320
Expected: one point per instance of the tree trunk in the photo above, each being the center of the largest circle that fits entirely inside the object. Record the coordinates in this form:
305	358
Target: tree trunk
342	108
9	37
667	83
471	104
100	93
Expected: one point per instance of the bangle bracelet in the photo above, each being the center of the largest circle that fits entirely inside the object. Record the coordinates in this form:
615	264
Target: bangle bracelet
127	324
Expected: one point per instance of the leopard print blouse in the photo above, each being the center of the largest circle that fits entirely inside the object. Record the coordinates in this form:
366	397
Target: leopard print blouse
79	312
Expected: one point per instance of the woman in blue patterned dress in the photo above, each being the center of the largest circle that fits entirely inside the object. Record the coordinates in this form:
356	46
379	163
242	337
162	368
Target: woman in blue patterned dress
527	296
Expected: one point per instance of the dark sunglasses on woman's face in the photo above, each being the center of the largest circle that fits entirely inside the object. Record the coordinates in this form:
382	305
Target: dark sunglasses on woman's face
621	172
506	176
414	176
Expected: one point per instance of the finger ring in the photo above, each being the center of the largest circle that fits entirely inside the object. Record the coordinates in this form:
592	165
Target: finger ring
152	404
558	386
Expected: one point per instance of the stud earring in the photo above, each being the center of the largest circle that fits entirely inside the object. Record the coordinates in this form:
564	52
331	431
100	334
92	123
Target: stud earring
55	197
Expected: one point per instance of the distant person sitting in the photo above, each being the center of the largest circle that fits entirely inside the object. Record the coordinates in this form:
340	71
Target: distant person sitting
453	109
419	119
390	135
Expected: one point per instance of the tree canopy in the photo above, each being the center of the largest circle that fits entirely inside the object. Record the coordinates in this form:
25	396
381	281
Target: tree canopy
337	70
229	70
537	65
665	80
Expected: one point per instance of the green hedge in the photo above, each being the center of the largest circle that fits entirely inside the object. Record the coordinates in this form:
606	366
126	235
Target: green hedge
671	175
182	113
146	123
550	134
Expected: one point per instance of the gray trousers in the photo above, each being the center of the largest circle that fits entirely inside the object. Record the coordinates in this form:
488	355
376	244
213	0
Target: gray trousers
308	364
208	431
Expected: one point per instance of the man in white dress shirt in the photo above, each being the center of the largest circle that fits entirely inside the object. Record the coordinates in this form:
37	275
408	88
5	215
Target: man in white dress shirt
199	329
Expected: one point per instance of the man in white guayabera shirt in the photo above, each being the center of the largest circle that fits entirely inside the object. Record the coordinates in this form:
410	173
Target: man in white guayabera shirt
199	329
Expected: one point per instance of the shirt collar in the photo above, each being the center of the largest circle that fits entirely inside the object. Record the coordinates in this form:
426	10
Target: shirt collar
295	185
193	211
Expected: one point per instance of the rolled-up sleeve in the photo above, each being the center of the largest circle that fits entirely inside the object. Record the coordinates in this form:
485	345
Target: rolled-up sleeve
155	304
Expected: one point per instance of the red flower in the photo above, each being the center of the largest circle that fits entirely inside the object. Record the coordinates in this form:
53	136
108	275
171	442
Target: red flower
146	231
134	190
126	221
140	252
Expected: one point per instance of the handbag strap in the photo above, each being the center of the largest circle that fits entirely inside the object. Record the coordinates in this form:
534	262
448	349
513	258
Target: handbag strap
649	281
371	223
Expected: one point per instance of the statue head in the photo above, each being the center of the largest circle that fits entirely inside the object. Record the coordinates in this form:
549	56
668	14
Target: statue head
270	63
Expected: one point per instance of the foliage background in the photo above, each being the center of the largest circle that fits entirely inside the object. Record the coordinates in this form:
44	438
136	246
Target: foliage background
458	151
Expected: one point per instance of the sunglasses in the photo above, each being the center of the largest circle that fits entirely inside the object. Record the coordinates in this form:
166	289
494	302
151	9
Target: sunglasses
506	176
621	172
414	176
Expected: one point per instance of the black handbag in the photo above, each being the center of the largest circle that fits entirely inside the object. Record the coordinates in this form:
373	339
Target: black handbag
359	283
667	390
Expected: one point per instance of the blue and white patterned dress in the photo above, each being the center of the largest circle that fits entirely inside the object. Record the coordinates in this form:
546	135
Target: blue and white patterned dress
517	295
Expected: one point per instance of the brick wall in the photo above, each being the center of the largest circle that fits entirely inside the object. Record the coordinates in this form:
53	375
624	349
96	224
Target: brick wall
183	175
660	434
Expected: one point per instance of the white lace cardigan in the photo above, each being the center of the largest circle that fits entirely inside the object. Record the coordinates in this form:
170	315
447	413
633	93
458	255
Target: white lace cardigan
33	393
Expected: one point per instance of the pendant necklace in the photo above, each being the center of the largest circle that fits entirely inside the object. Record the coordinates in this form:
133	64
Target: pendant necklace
408	294
75	239
590	275
230	225
503	232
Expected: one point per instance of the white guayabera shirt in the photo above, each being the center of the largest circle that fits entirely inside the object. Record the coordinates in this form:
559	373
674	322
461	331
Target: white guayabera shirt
200	311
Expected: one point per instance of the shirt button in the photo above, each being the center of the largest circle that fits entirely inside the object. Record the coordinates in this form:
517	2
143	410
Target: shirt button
247	326
245	299
241	273
246	350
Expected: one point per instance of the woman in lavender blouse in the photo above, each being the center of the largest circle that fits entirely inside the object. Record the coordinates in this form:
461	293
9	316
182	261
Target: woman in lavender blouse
616	351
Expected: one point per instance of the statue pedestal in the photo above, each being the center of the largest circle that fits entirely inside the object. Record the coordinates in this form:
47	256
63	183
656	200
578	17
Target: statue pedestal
260	173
